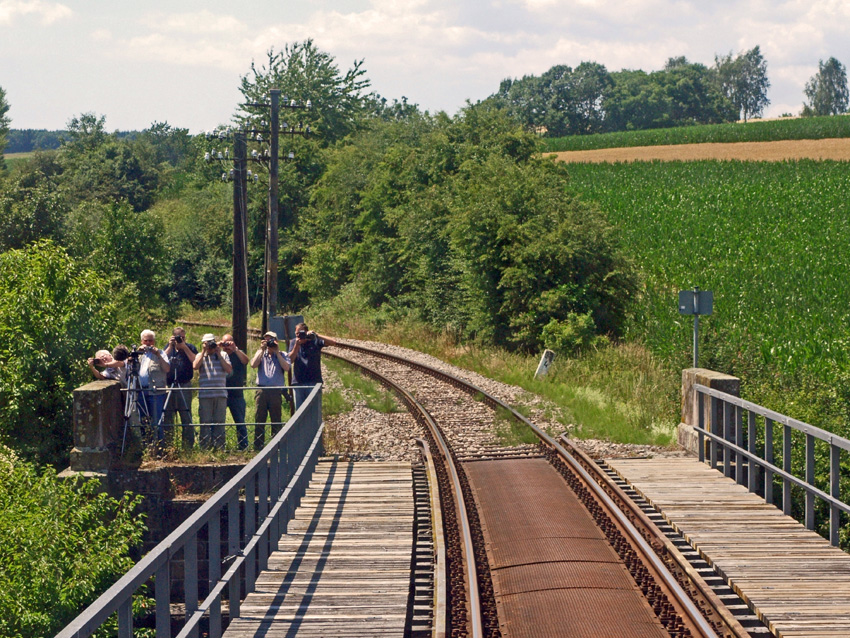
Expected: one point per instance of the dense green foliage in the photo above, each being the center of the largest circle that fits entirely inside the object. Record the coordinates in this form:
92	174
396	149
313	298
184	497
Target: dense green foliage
458	220
54	313
808	128
827	89
64	543
26	140
769	239
589	99
743	80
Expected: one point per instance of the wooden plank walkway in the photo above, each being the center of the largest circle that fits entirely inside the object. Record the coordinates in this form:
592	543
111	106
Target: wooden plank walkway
343	568
798	584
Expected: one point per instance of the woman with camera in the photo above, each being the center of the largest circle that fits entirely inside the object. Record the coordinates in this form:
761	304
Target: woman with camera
270	363
214	366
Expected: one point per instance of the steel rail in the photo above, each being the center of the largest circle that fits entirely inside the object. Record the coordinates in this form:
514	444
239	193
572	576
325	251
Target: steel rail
440	628
692	614
444	451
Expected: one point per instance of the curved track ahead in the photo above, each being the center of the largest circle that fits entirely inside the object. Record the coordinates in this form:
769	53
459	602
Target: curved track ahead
532	553
556	555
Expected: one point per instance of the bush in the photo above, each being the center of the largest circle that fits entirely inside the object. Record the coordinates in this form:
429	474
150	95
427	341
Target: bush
571	335
63	545
54	314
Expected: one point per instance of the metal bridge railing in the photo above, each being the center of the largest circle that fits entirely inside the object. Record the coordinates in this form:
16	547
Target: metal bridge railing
741	438
256	506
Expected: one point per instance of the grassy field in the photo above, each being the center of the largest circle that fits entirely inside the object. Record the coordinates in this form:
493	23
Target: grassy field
770	239
14	158
810	128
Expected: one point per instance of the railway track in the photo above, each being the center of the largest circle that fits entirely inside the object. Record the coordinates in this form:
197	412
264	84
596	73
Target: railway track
597	566
663	581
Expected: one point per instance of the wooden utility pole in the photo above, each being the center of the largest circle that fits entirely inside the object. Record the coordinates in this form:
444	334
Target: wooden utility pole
274	205
240	251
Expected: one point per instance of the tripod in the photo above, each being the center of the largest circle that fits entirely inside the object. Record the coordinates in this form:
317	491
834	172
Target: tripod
175	387
134	402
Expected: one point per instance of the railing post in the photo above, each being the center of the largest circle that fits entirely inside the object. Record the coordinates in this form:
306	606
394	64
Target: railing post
233	548
739	442
250	528
701	427
125	619
786	465
214	569
752	466
728	432
835	492
190	577
162	596
810	479
716	424
262	512
769	458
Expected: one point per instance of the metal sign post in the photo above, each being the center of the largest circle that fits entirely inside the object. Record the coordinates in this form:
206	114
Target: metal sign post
696	302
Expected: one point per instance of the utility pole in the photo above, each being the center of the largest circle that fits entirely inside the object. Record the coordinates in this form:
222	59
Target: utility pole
240	248
274	210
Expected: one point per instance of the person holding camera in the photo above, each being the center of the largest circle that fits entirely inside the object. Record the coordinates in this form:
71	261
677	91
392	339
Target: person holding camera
235	394
213	365
182	355
270	363
112	370
306	357
153	370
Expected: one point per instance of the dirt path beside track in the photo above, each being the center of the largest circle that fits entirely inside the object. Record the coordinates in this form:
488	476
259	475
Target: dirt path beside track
831	149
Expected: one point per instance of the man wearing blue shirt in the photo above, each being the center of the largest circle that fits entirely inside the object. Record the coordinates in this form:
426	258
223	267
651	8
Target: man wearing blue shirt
270	364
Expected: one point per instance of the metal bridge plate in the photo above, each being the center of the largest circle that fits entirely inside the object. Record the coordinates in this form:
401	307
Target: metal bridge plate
554	572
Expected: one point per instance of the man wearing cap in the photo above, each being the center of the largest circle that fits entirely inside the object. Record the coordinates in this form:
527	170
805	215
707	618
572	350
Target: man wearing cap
214	366
270	363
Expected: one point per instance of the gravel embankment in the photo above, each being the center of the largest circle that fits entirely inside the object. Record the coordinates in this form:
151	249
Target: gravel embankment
365	434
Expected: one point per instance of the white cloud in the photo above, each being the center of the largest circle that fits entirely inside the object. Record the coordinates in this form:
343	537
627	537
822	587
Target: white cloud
203	22
49	12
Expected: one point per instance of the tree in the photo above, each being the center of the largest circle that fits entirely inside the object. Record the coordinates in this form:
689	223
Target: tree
54	313
4	126
743	80
340	107
827	89
303	72
64	543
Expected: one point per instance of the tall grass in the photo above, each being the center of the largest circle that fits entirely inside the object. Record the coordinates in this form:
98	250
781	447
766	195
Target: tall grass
621	393
808	128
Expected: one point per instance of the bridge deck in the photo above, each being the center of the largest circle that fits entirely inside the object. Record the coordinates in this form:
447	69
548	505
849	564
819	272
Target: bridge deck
797	583
343	568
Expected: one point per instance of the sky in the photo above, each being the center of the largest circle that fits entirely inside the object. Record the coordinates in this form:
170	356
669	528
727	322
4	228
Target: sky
180	61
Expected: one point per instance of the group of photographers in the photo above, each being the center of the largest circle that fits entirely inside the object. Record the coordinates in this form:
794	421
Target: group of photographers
165	378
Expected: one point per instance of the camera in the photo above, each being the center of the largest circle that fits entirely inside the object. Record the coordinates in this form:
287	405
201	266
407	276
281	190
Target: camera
178	339
211	345
301	334
271	343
